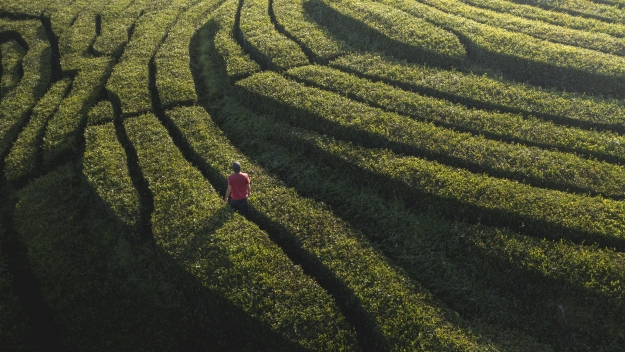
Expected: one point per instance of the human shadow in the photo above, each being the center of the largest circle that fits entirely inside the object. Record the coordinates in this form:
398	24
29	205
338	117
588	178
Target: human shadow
125	289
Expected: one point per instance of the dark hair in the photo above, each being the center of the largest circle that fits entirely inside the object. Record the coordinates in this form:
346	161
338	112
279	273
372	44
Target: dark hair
236	166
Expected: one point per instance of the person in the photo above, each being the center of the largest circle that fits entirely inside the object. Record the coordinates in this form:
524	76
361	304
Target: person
239	188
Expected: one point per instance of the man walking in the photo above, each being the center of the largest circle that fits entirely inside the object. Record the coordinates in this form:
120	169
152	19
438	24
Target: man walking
239	189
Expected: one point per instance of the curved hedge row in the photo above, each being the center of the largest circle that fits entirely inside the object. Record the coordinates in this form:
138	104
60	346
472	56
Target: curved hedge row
342	118
263	42
375	27
173	74
227	253
300	24
557	34
16	105
475	270
526	58
491	93
393	306
11	54
499	126
553	17
25	155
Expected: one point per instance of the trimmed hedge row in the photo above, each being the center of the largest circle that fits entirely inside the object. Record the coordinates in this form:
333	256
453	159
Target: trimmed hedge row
535	211
553	17
452	259
15	107
117	21
376	27
221	33
557	34
592	9
506	126
104	165
105	291
64	131
130	77
526	58
259	37
11	54
293	18
393	306
173	76
101	113
227	253
484	92
22	160
332	114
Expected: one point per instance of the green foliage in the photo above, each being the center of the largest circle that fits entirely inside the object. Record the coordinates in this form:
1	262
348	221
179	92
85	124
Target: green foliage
415	321
227	253
101	113
104	165
526	58
332	114
15	106
265	44
173	77
451	259
25	152
554	17
11	54
64	130
491	93
538	29
495	125
301	25
376	27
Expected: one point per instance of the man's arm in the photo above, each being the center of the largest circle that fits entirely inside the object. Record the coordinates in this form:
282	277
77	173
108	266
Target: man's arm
228	191
249	189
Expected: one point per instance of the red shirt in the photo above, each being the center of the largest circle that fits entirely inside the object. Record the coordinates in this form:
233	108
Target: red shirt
239	183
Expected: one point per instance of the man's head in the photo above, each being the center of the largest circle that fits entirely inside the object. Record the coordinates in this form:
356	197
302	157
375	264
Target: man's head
236	167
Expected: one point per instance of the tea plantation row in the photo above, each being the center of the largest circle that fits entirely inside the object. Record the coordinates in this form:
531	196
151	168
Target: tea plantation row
426	175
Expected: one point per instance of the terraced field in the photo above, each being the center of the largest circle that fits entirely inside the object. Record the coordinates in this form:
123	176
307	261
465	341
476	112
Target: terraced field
427	175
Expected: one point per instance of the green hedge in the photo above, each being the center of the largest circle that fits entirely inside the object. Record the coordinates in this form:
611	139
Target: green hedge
130	77
299	24
491	93
526	58
11	54
475	270
117	20
219	33
376	27
101	113
592	9
15	107
270	48
342	118
405	315
105	291
23	158
504	126
553	17
538	29
536	211
227	253
105	168
80	36
64	131
173	75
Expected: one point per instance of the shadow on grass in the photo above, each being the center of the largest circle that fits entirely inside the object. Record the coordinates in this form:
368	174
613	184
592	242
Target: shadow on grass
107	288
